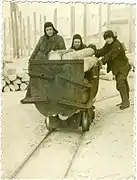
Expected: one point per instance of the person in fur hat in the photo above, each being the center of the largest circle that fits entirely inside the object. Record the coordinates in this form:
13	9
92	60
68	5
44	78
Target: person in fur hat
50	41
77	43
113	54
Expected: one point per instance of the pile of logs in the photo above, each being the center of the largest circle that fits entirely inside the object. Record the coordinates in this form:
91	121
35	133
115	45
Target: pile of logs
14	79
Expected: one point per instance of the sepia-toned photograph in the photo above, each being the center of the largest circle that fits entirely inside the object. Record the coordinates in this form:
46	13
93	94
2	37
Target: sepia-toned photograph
68	95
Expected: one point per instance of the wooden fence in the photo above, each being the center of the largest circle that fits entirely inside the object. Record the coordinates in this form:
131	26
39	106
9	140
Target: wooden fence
20	36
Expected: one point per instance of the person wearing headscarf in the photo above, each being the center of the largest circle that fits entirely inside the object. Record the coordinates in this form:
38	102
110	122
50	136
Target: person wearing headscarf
50	41
114	56
77	43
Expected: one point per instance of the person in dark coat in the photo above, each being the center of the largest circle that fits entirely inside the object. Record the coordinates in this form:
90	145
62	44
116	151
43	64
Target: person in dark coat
77	43
48	42
113	54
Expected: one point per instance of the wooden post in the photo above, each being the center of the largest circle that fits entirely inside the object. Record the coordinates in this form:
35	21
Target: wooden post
12	29
130	23
41	32
5	38
24	38
85	23
55	17
10	35
28	26
21	34
45	19
100	24
16	31
108	16
35	34
72	20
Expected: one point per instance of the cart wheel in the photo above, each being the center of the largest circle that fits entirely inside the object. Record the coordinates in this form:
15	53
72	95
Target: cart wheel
85	122
48	124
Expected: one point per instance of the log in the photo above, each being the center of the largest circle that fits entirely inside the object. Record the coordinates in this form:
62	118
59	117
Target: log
11	86
23	87
20	73
11	71
27	82
6	89
16	87
12	77
3	83
7	80
3	77
25	78
17	81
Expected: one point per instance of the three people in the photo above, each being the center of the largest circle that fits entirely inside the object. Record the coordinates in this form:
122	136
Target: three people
113	54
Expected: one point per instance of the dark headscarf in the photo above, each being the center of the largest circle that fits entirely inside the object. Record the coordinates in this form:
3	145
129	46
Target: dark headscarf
109	34
49	24
77	36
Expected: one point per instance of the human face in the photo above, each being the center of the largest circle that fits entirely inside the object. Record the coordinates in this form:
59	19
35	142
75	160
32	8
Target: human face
77	43
109	40
49	31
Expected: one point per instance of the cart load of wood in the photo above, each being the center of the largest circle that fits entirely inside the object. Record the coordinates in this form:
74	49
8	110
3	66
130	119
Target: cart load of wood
86	54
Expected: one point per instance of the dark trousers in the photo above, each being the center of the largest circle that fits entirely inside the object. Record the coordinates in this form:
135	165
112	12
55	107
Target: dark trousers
122	83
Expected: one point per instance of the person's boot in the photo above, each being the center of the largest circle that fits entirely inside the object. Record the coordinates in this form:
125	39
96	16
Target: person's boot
125	100
127	87
119	104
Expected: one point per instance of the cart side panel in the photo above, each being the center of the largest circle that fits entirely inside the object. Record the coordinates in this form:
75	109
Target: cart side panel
55	81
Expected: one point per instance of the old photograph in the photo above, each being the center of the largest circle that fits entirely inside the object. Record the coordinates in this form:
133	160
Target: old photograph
68	75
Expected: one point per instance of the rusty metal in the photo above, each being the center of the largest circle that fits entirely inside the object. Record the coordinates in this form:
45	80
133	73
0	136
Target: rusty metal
41	76
36	99
75	83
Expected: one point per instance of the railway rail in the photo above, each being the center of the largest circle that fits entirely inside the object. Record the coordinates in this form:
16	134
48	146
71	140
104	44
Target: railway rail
48	134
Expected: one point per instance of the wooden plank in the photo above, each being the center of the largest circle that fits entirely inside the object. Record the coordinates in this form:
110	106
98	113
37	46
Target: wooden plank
10	35
41	29
28	26
72	16
100	24
35	35
17	33
45	18
24	38
5	38
12	29
108	16
21	33
55	18
130	23
85	23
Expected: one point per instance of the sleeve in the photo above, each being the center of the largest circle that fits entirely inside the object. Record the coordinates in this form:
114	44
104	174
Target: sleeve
62	44
101	52
36	49
110	56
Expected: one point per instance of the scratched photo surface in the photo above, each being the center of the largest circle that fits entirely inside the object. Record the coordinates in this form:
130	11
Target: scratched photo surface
66	68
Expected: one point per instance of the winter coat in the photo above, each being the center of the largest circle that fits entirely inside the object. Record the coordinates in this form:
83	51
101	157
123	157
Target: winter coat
45	45
114	55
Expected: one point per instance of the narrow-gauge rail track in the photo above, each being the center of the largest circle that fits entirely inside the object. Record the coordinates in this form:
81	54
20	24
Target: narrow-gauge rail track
80	140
